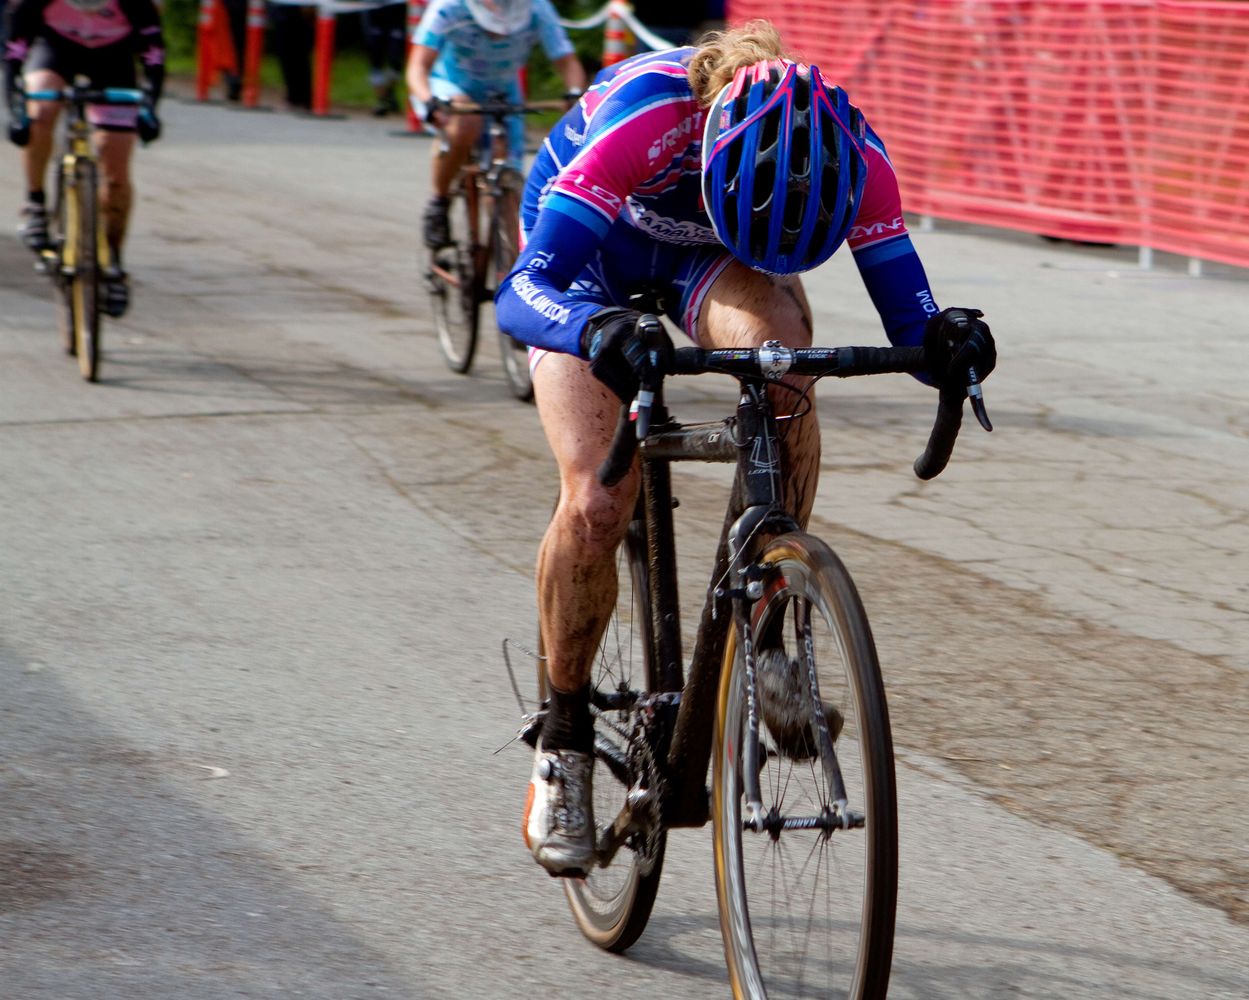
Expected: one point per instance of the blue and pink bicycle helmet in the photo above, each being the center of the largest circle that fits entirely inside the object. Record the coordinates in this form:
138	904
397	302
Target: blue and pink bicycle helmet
783	166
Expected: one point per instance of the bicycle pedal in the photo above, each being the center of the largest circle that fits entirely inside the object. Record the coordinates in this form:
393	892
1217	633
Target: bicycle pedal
531	729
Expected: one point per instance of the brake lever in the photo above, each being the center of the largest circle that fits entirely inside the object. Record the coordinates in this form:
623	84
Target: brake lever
976	394
653	336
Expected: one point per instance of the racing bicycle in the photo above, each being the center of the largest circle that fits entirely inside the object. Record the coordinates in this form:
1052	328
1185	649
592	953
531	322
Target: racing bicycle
803	808
78	253
484	221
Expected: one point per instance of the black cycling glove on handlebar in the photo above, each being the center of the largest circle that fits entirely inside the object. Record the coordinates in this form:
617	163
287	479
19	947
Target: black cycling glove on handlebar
435	112
618	353
959	349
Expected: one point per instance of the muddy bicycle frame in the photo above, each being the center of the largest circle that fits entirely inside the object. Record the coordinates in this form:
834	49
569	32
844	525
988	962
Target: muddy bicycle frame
750	439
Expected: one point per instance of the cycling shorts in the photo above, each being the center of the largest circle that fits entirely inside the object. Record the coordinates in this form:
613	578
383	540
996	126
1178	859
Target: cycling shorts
444	89
109	66
629	262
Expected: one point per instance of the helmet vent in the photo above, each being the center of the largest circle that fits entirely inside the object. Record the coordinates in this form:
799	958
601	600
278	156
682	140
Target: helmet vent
765	180
795	206
770	133
800	152
802	98
733	163
730	215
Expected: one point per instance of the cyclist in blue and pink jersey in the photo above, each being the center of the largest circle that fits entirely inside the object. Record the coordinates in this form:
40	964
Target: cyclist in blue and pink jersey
54	41
706	178
467	51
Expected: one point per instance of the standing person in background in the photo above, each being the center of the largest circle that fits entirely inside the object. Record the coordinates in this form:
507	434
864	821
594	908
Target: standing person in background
463	52
385	44
293	30
52	42
236	22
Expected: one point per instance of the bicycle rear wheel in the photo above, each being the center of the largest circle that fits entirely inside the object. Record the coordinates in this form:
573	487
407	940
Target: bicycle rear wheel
514	354
85	282
612	904
808	912
456	286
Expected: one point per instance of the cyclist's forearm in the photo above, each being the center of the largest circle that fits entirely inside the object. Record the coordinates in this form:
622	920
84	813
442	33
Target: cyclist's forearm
895	280
572	72
149	44
420	63
12	80
537	313
532	303
155	77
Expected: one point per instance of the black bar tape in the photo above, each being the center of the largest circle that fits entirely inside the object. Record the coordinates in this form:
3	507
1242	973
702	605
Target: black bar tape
944	432
624	446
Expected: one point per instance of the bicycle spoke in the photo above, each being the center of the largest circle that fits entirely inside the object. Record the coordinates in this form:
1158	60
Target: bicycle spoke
613	902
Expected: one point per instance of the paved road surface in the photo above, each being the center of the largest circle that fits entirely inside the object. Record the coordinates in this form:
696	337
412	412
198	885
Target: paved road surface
254	585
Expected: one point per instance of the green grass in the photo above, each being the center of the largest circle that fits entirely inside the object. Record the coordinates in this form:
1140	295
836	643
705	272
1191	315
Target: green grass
349	80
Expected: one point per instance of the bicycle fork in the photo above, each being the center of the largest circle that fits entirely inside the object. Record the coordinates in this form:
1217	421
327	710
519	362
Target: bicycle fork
761	486
836	815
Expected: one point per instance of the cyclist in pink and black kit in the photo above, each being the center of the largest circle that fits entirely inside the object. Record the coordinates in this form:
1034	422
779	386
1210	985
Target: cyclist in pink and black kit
710	176
52	42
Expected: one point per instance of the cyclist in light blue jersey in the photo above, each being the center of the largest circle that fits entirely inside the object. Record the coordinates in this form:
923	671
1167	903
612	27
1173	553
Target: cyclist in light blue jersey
466	51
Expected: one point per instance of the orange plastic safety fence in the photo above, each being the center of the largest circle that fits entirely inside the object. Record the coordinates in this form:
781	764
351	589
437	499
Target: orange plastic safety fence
1126	122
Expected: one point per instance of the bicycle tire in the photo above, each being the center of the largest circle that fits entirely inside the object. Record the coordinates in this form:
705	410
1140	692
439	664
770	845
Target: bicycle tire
767	919
612	905
456	305
61	288
85	280
514	354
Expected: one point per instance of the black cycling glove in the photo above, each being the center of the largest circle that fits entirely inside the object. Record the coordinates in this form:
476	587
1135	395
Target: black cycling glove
619	355
959	349
148	125
435	112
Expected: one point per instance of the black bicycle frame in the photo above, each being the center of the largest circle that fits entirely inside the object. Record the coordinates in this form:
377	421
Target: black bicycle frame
752	442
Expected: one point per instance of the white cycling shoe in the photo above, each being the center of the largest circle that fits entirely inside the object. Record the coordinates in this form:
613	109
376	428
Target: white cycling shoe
559	813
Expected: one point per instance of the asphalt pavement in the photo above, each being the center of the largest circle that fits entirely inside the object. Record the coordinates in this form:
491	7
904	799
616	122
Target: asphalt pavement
254	585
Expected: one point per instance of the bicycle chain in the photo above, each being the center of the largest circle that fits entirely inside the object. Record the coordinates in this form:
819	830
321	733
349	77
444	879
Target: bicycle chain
644	771
642	752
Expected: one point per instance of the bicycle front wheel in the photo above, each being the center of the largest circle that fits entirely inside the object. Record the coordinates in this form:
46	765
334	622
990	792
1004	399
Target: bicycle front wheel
808	891
62	287
84	283
514	354
455	286
612	904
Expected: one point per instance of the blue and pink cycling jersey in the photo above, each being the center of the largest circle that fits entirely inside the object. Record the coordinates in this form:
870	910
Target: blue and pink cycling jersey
613	205
99	39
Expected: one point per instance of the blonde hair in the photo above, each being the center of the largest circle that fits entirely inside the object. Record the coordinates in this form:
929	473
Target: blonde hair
722	53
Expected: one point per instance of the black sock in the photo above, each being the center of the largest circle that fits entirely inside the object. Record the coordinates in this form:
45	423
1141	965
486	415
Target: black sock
36	198
568	725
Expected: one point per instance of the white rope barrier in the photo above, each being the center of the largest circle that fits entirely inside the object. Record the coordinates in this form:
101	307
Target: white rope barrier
624	12
613	8
339	6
